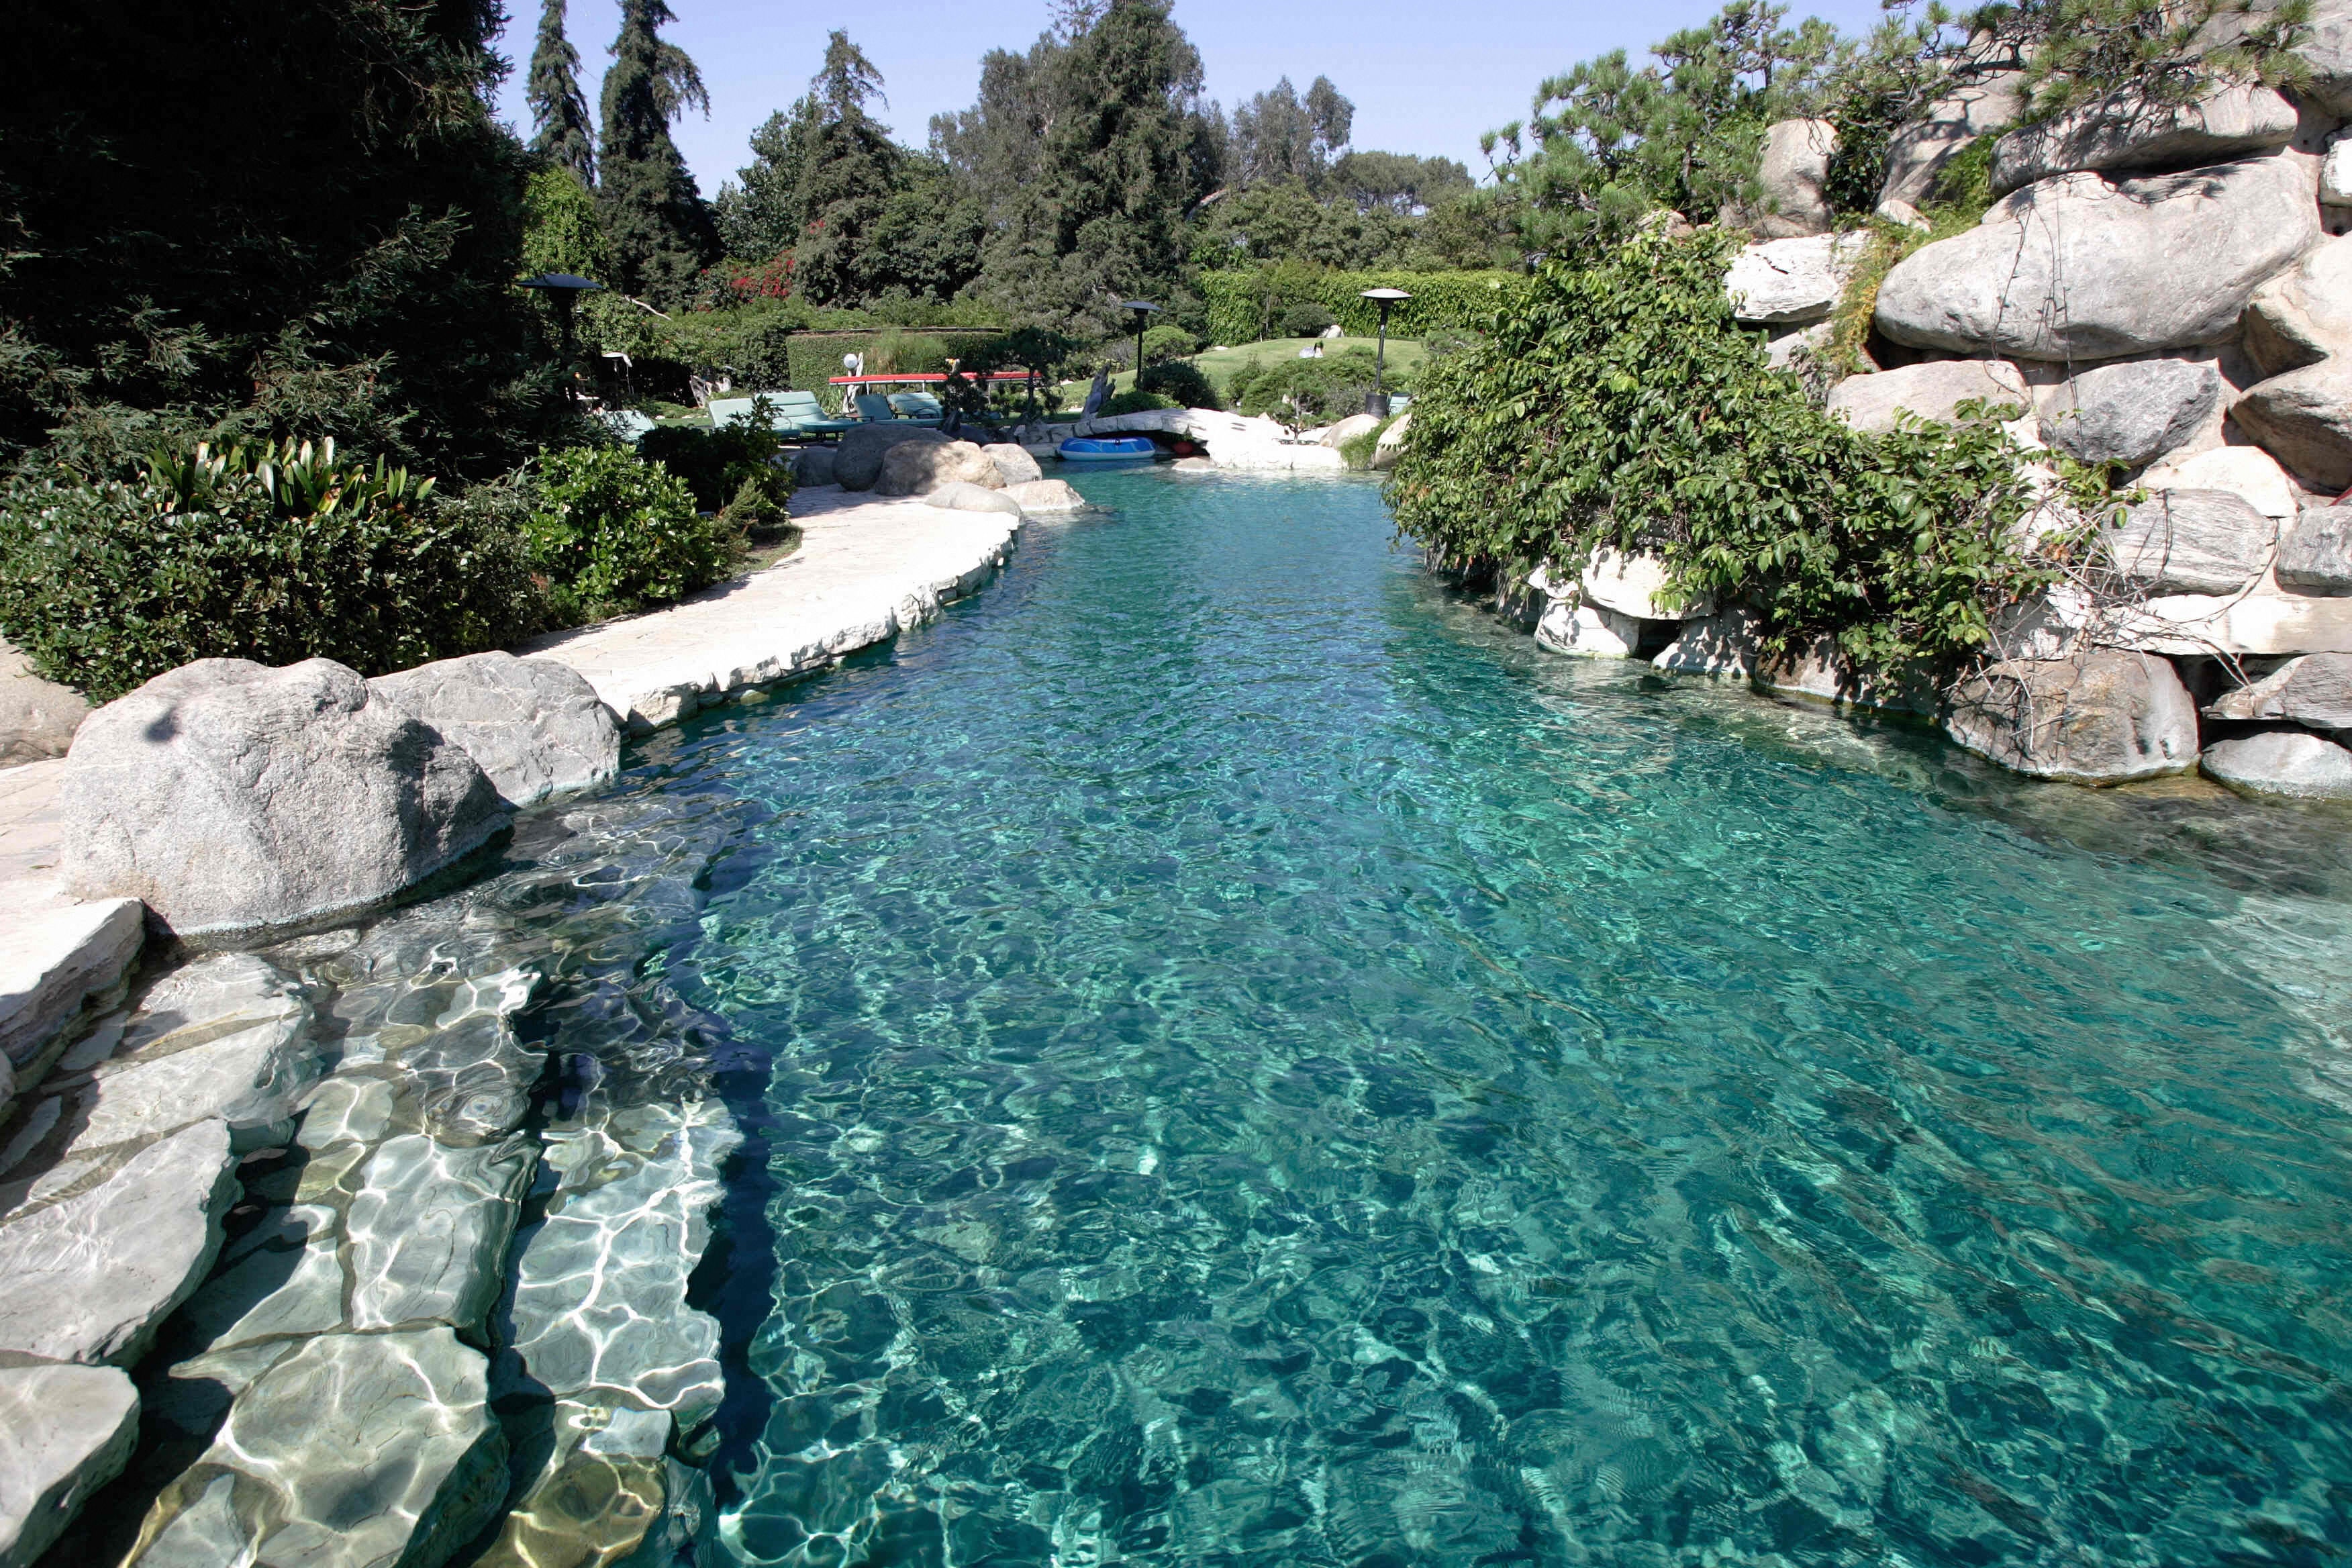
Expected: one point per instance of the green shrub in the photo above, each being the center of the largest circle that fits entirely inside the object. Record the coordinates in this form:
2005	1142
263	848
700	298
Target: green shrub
1621	405
275	554
613	533
1133	401
1305	319
1357	451
1182	382
731	470
1309	391
1245	304
1161	344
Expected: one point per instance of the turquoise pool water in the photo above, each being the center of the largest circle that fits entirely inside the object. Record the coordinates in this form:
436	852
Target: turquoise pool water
1245	1060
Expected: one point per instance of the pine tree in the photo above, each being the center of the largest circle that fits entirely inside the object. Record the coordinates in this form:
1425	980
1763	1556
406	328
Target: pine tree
848	180
660	230
558	109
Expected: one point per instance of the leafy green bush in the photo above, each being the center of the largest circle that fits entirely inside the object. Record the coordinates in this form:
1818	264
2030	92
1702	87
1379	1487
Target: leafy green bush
1161	344
613	534
1309	391
1621	405
1132	402
1245	304
1183	382
276	554
1357	451
732	470
1305	319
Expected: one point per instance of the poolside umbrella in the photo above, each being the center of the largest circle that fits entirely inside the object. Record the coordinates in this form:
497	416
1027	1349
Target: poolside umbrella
1376	402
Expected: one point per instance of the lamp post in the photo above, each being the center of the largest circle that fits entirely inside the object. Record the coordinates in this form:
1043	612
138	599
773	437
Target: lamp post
1376	402
1142	309
564	288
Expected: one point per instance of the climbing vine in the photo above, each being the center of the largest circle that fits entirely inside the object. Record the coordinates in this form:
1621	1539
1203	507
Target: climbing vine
1620	404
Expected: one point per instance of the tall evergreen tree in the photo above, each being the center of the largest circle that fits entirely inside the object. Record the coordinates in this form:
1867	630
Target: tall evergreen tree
558	109
661	231
846	179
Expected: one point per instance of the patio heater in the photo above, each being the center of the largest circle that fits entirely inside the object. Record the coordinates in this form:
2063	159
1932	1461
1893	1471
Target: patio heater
1144	309
1376	402
564	290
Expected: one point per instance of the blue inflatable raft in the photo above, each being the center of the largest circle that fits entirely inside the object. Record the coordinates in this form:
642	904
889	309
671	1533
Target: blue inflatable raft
1106	449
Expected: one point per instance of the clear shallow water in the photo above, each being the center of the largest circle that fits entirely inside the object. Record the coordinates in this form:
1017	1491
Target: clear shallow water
1245	1060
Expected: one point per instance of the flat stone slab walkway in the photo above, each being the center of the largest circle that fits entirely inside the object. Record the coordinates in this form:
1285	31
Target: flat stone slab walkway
866	568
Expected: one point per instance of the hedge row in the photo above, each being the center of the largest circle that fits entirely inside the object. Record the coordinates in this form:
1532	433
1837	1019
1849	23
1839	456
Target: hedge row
1243	303
815	357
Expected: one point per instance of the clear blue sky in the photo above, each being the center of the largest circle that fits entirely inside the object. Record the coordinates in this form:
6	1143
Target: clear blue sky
1427	78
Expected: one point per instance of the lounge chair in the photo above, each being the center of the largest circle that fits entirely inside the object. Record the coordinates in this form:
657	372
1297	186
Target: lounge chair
919	406
804	410
874	408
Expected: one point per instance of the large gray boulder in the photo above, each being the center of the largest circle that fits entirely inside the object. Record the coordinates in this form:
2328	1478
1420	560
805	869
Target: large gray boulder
857	460
2303	418
2131	413
65	1432
1724	644
534	726
814	466
958	496
2126	132
1979	104
2315	690
38	717
2099	717
91	1278
1013	464
917	468
1046	495
358	1450
2315	552
2293	763
2192	541
2089	267
231	797
2304	314
1788	282
1934	391
1792	171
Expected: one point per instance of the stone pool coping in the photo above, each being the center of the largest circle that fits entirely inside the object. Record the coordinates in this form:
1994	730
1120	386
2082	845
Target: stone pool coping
867	567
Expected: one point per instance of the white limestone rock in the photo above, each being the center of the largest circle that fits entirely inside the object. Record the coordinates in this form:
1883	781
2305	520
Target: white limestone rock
1978	102
1589	631
1636	586
91	1278
1790	282
2259	622
1346	430
2088	267
2315	691
2303	314
230	797
2193	542
2124	131
1391	446
857	460
2131	413
356	1450
1722	644
2315	552
1792	171
2099	717
957	496
1821	671
1933	391
54	955
1045	496
918	467
2336	176
38	717
534	726
2245	471
428	1229
1013	464
2293	763
65	1432
2303	418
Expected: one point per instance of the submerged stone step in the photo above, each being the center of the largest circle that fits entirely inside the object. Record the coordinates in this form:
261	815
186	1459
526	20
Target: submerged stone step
65	1431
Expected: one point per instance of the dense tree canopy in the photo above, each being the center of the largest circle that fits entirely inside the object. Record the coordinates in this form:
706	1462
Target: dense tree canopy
1278	136
262	215
660	230
559	111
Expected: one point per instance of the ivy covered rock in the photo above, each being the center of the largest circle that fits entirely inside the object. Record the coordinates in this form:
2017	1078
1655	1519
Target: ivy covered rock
1790	282
2126	130
2088	267
1933	391
1980	103
2099	717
